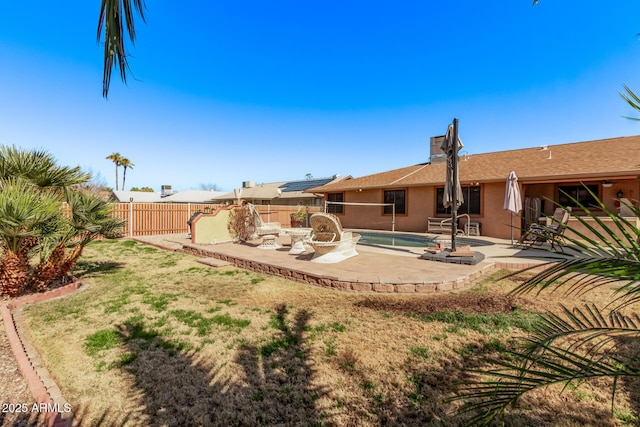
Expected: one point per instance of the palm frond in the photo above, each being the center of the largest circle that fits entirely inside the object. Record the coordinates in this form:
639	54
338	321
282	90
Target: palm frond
486	399
91	216
111	17
38	167
584	326
579	343
632	99
26	211
590	262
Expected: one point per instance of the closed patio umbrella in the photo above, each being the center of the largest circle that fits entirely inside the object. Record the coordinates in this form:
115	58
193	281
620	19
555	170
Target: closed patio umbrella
512	198
452	196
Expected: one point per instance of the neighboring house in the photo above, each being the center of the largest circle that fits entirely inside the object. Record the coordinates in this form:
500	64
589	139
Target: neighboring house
135	196
289	193
192	196
610	168
187	196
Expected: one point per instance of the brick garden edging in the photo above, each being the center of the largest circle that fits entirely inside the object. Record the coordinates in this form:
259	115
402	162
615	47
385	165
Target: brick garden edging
44	389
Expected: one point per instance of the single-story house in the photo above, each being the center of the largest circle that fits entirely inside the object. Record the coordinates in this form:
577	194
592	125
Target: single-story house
288	193
135	196
193	196
610	168
187	196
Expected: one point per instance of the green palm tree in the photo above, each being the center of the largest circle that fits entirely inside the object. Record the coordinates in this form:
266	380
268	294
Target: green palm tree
117	159
38	167
126	164
581	343
39	241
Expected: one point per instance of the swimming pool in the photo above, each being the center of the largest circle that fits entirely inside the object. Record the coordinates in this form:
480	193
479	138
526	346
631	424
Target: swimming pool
411	240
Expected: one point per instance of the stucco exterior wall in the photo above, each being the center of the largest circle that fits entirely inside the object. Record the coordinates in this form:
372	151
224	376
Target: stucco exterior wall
420	205
211	228
494	219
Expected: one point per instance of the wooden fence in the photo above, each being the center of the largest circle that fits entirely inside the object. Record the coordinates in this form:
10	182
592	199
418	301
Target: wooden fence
145	219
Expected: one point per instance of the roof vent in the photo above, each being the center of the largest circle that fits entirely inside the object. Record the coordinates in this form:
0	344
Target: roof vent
165	191
543	147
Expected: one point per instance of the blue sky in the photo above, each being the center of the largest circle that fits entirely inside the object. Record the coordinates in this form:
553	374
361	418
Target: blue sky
225	92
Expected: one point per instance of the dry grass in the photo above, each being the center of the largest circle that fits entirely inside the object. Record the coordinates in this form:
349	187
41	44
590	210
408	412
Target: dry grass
163	340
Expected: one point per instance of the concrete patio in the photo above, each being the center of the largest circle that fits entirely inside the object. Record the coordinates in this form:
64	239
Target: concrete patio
375	269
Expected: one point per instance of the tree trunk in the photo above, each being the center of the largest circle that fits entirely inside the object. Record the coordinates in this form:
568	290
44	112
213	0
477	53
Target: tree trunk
48	271
14	273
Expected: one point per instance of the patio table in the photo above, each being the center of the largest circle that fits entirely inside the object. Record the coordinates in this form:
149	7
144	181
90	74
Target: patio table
298	236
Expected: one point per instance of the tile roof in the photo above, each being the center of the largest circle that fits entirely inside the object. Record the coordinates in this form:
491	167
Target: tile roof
606	158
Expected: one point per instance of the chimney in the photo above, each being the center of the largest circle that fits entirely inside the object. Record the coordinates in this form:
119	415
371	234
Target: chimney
436	155
248	184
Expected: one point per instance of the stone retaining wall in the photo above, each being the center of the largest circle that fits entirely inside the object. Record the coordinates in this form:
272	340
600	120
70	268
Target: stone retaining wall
318	280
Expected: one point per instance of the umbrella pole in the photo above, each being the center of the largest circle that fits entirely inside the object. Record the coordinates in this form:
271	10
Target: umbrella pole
454	187
511	228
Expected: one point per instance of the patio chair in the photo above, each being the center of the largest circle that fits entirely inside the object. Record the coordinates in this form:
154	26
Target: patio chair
267	231
538	234
330	242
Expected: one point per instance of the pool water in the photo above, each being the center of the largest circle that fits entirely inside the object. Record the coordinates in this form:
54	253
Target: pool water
411	240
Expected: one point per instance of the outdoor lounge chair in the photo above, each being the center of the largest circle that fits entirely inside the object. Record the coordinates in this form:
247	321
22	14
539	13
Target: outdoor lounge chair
267	231
538	234
330	242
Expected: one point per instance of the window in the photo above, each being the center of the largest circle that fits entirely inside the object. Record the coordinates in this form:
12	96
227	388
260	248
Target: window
471	205
398	198
578	192
333	208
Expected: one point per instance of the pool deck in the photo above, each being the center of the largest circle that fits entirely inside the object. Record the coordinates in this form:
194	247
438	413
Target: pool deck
374	270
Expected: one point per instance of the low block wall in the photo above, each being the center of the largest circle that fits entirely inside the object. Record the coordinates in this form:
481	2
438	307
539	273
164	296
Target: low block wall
326	282
576	225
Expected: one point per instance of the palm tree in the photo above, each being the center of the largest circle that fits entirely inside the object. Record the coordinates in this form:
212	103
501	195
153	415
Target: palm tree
39	241
112	13
38	167
117	159
125	163
581	343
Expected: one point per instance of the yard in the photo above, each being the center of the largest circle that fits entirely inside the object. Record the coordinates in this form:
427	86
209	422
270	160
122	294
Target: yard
159	339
